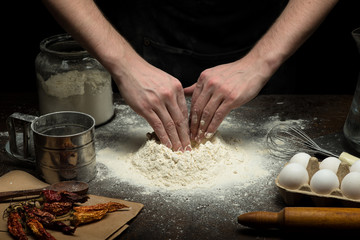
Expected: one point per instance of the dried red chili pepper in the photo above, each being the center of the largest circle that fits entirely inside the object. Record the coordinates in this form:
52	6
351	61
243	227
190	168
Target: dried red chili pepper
38	230
51	196
38	214
48	220
55	203
87	216
15	227
57	208
109	206
60	226
63	196
73	197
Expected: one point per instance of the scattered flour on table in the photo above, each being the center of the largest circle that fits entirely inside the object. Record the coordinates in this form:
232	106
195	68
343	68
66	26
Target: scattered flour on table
218	162
215	162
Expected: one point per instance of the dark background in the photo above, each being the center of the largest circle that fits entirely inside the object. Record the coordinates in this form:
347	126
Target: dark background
328	63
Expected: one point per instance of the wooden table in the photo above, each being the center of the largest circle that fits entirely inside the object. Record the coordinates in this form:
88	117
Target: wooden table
161	218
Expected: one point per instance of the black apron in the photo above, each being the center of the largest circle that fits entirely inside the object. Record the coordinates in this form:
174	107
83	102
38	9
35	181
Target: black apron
185	37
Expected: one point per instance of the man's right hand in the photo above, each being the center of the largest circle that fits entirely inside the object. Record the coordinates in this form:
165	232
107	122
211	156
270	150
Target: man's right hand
159	98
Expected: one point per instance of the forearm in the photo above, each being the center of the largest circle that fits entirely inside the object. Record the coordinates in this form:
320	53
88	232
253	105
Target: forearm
152	93
85	22
293	27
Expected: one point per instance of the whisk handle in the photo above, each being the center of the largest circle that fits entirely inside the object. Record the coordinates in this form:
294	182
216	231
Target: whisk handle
348	158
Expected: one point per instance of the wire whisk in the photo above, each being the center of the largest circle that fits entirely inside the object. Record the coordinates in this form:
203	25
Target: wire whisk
284	141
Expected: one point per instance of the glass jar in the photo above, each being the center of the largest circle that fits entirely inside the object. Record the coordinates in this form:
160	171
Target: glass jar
70	79
352	123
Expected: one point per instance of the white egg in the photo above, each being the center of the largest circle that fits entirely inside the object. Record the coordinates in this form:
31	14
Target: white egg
350	185
324	181
331	163
301	157
355	167
293	176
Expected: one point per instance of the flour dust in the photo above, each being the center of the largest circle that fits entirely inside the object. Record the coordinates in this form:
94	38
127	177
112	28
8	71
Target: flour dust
213	163
228	159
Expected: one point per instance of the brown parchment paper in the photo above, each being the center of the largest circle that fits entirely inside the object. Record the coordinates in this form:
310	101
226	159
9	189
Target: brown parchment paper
112	225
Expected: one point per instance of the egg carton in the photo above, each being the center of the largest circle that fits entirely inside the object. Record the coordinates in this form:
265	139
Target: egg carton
305	196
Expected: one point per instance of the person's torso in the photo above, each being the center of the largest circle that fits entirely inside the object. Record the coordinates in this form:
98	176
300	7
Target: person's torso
184	37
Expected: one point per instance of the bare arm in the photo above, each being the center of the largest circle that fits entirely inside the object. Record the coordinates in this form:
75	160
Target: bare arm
223	88
295	25
152	93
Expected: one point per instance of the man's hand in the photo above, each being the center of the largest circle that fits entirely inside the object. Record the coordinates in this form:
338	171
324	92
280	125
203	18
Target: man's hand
159	98
221	89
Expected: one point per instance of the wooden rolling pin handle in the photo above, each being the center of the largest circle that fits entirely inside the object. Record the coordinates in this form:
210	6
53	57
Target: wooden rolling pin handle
304	217
261	219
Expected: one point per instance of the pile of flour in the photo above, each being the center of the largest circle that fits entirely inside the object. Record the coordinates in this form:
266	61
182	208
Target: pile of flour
235	157
216	162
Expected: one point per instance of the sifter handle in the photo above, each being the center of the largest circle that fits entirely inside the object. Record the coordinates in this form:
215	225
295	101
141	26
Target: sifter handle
20	122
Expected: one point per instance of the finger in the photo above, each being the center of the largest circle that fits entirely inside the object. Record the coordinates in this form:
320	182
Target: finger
182	126
199	101
194	114
189	90
181	102
207	116
221	112
194	110
158	127
170	125
198	88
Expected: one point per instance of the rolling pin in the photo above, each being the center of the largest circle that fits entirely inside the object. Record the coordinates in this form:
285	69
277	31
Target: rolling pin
304	217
